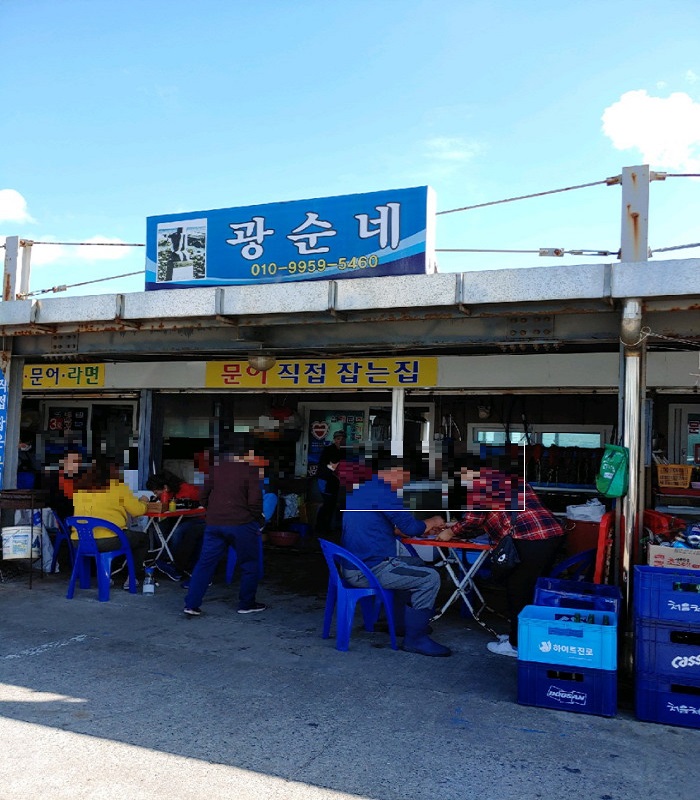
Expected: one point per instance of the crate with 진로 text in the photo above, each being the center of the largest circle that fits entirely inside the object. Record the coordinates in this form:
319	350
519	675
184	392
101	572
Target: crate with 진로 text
677	557
663	648
668	595
578	689
568	636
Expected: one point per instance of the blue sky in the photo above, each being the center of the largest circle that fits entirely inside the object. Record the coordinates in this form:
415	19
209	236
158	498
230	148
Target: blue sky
114	110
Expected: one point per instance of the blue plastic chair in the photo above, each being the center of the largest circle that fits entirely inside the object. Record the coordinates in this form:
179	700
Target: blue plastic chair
62	535
344	598
87	549
232	560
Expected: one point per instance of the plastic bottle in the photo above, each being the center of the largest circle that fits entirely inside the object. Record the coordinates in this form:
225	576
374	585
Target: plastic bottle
149	583
172	505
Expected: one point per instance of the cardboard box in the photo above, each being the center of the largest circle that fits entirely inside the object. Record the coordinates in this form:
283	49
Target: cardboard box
676	557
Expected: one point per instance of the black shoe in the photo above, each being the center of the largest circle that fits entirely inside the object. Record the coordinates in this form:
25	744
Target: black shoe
168	569
252	609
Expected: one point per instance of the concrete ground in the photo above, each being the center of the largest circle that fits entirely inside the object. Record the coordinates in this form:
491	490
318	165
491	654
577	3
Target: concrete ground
131	699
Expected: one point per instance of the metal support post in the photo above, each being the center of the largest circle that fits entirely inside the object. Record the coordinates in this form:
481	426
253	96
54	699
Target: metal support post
398	398
634	248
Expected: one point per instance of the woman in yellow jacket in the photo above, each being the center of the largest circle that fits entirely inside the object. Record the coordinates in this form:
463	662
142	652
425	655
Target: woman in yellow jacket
97	494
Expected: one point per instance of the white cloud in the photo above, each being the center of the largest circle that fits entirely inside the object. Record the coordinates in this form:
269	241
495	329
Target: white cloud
101	253
445	148
692	77
666	131
13	207
45	254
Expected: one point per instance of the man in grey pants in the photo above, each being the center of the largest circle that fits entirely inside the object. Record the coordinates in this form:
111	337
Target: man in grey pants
372	513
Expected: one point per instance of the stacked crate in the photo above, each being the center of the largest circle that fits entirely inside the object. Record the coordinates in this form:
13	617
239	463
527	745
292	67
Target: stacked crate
567	648
667	649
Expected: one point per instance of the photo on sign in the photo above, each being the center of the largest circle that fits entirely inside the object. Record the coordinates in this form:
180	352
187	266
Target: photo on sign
182	248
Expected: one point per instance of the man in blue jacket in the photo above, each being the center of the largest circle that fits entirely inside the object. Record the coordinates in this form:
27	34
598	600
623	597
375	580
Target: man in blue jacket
374	510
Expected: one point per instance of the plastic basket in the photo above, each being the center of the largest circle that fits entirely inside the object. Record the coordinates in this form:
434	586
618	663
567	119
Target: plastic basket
582	690
674	475
670	595
668	649
670	702
554	636
577	594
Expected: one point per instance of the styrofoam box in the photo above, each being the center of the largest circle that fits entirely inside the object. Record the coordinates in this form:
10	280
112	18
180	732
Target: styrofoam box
671	595
582	690
552	636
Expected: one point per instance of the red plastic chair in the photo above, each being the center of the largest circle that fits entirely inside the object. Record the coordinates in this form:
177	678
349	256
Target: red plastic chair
87	550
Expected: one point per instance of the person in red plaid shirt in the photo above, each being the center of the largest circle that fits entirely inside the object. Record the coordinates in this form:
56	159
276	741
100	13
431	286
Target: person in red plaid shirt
536	532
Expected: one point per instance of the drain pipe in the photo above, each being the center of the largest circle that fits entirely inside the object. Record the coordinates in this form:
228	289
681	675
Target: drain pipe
634	249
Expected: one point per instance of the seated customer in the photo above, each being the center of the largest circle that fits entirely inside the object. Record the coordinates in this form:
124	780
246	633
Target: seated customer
96	494
186	543
372	513
60	482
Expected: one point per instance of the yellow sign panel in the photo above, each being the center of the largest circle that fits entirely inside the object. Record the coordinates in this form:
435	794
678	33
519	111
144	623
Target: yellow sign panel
352	373
64	376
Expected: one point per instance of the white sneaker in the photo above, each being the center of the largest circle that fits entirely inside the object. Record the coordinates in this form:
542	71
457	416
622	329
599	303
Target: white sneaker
502	648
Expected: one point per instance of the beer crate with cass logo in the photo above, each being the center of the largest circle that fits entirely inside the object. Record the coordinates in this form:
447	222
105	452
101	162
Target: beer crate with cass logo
668	649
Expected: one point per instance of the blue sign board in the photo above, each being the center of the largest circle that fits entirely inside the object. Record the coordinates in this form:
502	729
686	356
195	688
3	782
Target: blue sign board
351	236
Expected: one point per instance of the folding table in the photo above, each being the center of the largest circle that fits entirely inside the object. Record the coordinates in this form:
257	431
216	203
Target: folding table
453	557
154	519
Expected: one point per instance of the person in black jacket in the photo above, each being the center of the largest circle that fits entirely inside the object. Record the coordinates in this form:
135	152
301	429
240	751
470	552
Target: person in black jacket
232	495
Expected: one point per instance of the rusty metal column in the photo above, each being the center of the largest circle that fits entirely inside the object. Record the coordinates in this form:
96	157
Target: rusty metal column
634	248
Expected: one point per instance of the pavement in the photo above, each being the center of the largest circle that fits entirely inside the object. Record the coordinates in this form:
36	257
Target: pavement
132	699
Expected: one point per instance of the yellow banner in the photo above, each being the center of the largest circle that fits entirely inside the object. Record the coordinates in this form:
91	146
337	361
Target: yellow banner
354	373
64	376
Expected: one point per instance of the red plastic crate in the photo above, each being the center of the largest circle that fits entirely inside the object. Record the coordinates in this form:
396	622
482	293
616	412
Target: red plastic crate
577	689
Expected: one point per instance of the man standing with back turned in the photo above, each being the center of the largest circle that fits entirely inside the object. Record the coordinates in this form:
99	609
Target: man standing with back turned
232	496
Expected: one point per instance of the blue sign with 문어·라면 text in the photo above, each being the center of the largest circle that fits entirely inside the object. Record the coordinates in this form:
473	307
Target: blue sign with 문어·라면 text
359	235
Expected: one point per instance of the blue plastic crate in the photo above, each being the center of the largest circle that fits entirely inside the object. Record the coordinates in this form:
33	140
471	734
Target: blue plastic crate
577	594
671	595
665	648
552	635
660	699
582	690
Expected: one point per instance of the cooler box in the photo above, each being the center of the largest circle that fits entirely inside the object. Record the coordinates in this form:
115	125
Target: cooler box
668	701
554	636
577	594
666	594
583	690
